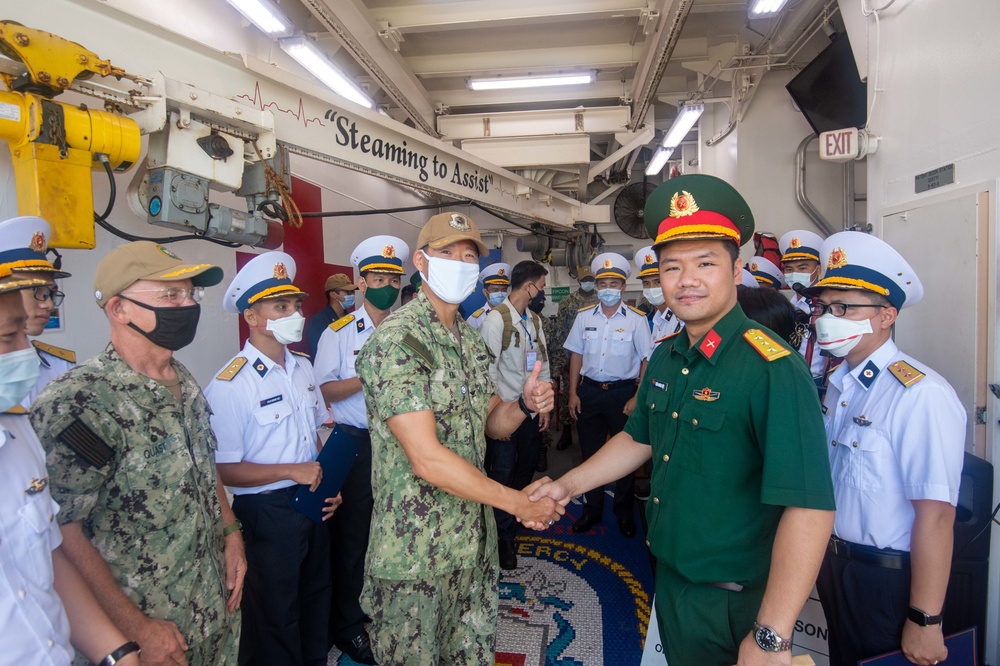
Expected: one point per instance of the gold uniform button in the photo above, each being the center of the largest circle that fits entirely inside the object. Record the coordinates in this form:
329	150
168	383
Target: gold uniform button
843	403
653	406
684	371
647	543
656	500
674	415
694	422
666	458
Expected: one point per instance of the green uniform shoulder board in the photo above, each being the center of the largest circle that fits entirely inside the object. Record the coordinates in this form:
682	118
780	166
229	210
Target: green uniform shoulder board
764	344
478	313
298	353
906	373
418	348
667	337
58	352
342	322
87	444
587	307
232	369
637	311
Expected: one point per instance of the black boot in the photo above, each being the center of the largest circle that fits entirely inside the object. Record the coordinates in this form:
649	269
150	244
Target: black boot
565	440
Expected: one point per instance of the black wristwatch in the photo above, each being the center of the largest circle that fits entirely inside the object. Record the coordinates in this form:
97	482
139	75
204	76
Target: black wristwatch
524	406
121	652
922	619
768	640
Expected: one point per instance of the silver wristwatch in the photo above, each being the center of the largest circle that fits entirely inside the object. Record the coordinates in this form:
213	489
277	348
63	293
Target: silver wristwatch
767	639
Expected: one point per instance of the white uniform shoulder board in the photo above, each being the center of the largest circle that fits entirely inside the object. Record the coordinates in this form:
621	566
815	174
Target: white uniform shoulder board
587	307
298	353
637	311
905	373
232	369
342	322
58	352
478	313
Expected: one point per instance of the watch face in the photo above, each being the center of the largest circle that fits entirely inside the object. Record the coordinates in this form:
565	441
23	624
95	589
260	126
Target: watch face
766	639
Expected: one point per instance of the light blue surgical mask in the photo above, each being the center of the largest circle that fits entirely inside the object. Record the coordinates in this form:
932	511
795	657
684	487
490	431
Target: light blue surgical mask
19	372
587	286
349	301
609	297
496	298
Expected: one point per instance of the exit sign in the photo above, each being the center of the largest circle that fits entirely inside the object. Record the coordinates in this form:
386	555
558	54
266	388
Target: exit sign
839	145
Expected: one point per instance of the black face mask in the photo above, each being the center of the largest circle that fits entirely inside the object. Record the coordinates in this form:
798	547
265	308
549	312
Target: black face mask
537	303
175	327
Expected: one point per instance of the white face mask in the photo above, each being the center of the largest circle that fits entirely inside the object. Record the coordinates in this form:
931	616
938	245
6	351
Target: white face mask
19	370
654	295
451	280
587	286
792	279
838	336
287	329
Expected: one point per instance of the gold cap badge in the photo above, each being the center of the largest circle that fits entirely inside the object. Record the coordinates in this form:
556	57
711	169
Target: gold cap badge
280	272
389	252
682	204
38	242
838	258
794	243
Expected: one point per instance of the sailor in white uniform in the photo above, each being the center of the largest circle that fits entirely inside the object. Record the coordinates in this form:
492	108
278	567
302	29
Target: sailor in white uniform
766	273
662	321
496	284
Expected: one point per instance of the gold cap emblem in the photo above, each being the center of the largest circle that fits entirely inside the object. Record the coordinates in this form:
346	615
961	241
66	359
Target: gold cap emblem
608	263
838	258
794	243
389	252
38	242
682	204
459	222
280	272
649	259
753	266
500	271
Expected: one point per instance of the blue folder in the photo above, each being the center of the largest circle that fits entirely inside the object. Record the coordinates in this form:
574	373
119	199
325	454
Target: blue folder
961	652
336	458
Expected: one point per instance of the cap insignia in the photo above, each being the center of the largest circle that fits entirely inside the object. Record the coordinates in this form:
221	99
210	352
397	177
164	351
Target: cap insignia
389	252
280	272
167	252
501	271
794	243
753	266
459	222
648	259
682	204
838	258
38	242
608	263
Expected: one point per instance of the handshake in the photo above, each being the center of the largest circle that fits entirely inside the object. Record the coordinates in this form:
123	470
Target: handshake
542	504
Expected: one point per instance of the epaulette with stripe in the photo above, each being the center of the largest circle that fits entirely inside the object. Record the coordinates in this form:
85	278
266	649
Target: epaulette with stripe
637	311
764	344
65	354
587	307
905	373
342	322
298	353
667	337
478	313
232	369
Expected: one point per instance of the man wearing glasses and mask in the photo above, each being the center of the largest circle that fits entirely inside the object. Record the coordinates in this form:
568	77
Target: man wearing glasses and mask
130	453
23	242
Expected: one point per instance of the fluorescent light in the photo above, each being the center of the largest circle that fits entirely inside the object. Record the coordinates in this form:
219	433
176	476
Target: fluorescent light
573	79
687	116
765	8
660	158
307	55
264	15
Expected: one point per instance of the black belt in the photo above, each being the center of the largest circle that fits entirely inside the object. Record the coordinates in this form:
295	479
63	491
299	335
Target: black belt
885	558
608	386
354	431
287	490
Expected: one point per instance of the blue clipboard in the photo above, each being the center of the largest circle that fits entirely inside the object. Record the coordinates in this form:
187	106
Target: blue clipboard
961	652
336	458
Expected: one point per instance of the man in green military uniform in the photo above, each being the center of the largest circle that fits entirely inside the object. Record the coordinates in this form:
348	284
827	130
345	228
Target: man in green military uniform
130	453
742	499
431	576
583	297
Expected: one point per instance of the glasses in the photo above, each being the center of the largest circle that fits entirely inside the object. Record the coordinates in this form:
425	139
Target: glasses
173	295
839	309
45	293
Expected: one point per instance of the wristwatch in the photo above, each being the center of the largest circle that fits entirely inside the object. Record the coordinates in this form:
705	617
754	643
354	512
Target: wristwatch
524	406
922	619
768	640
121	653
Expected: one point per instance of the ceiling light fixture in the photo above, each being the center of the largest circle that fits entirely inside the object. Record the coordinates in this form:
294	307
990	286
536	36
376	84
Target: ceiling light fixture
660	158
765	8
687	116
310	57
265	15
571	79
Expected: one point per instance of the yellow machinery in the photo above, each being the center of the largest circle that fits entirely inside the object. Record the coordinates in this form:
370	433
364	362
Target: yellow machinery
56	146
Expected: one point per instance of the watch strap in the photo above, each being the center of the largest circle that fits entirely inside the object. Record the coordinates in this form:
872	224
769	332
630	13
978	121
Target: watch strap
120	653
776	644
234	526
922	619
523	405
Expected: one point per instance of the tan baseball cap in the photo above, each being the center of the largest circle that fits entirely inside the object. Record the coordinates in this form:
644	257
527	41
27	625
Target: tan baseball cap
339	281
447	228
584	273
145	260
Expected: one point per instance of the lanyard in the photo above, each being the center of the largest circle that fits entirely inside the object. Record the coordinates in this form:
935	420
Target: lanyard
524	318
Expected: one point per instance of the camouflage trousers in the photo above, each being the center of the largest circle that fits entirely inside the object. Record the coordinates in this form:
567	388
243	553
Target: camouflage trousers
218	649
447	620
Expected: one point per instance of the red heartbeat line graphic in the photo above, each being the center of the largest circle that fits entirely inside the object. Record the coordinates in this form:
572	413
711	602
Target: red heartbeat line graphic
258	101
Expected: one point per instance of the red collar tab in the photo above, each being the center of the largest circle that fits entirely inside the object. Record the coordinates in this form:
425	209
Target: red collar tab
710	344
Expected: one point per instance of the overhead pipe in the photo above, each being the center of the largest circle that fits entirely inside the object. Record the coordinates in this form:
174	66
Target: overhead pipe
800	188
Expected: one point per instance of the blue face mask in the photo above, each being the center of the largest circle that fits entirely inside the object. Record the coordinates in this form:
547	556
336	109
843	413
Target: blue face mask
496	298
349	301
609	297
587	286
19	370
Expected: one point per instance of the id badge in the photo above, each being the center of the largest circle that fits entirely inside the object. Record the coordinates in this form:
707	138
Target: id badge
530	358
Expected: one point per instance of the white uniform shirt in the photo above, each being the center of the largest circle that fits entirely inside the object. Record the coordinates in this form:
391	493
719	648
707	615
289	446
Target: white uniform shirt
33	625
664	323
476	321
612	349
49	368
890	444
335	356
509	368
266	414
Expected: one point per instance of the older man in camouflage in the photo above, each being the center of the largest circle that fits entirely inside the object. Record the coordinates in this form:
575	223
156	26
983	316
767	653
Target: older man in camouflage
583	297
130	457
432	576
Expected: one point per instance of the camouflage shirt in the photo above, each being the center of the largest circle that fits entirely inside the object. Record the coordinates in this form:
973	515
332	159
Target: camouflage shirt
565	317
137	468
414	363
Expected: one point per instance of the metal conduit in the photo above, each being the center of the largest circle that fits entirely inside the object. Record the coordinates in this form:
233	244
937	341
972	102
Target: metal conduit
800	188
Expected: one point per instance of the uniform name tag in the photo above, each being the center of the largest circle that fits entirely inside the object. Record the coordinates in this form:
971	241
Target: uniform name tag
660	385
590	328
271	401
530	357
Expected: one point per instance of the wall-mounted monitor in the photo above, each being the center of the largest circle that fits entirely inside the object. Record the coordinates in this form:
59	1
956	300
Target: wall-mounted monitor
829	91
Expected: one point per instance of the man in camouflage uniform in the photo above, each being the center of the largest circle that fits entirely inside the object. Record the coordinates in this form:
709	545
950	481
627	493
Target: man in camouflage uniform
130	453
431	575
583	297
